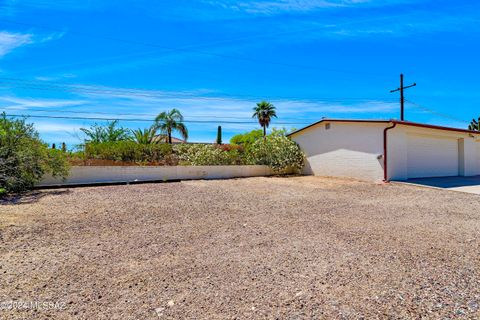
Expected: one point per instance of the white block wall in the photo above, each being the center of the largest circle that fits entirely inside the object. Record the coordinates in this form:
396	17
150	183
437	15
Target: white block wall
111	174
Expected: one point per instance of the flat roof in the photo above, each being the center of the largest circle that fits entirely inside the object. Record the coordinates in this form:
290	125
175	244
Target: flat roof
407	123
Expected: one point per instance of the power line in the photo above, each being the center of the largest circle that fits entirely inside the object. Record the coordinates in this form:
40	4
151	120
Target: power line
139	114
139	120
436	112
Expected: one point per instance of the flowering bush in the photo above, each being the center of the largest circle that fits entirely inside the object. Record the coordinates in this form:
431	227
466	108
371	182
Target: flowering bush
278	152
207	155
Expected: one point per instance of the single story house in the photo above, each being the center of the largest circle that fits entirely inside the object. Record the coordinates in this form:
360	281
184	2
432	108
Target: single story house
387	149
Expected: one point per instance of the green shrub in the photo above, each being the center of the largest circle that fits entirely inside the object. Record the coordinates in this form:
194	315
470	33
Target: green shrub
278	152
24	158
129	151
208	155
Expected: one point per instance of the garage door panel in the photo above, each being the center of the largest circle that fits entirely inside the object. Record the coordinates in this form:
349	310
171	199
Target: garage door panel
429	156
478	157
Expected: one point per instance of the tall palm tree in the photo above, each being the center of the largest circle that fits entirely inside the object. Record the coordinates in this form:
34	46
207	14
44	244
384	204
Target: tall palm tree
145	136
264	112
169	121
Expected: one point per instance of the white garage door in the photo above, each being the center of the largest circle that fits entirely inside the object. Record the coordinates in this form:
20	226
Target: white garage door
478	157
429	156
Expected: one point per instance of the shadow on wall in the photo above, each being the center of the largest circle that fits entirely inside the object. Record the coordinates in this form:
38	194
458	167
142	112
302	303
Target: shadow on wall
307	169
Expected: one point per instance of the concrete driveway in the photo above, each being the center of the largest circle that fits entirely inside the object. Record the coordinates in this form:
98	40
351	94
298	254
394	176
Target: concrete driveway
463	184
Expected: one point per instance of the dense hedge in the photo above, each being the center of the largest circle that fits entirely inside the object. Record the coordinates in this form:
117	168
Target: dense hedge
130	151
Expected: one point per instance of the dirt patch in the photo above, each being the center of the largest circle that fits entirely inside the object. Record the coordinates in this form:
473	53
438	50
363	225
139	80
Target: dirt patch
296	248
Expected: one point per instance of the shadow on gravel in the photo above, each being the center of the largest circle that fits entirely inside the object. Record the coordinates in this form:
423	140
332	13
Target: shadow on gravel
30	197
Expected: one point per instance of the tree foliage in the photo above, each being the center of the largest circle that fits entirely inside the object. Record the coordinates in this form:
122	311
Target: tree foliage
246	139
24	158
106	133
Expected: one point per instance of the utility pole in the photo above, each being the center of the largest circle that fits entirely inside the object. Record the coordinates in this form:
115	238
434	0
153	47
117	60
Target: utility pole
402	96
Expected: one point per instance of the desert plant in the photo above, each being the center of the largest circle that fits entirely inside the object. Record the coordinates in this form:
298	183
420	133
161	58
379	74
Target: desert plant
24	158
106	133
264	112
169	121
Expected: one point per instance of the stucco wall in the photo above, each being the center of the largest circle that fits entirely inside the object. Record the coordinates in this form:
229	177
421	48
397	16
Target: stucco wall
111	174
344	150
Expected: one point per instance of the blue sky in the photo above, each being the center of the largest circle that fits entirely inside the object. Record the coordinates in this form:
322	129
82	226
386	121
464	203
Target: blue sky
214	60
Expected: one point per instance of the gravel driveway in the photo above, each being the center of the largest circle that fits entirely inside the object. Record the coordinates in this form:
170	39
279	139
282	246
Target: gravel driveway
287	248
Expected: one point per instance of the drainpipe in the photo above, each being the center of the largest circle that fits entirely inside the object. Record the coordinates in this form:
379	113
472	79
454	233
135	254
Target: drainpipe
385	175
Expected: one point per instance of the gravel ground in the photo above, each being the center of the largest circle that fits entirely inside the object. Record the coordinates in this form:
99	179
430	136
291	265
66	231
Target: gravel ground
286	248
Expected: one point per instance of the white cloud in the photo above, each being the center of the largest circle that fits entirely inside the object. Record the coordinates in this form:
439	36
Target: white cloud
10	41
25	103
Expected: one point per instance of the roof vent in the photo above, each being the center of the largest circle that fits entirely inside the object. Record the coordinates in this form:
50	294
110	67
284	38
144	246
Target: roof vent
327	126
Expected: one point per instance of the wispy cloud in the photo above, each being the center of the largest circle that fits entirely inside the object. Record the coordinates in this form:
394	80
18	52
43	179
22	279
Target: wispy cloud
10	41
15	103
282	6
273	7
211	106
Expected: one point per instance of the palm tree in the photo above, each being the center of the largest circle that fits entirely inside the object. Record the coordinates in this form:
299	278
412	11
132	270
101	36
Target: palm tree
169	121
474	125
145	136
264	112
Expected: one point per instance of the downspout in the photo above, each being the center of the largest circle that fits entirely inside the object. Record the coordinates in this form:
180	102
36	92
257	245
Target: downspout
385	174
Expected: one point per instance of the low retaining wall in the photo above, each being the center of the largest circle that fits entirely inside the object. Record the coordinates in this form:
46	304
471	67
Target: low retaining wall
116	174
